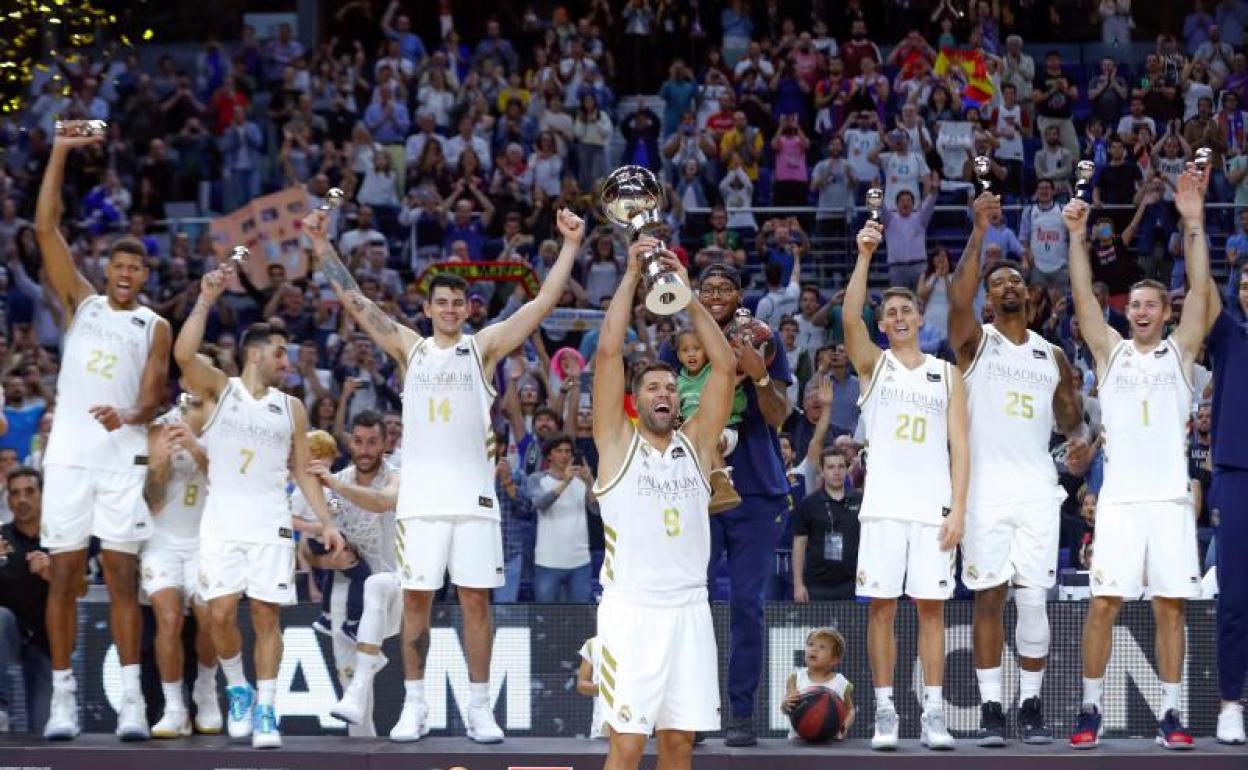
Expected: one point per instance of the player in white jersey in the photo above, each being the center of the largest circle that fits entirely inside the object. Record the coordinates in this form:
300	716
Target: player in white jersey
447	511
659	670
255	438
114	367
176	490
1145	526
1017	385
914	505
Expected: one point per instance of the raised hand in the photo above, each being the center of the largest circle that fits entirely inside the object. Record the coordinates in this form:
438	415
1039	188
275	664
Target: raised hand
1075	215
643	245
870	237
213	283
316	226
1189	198
984	206
72	139
571	227
825	392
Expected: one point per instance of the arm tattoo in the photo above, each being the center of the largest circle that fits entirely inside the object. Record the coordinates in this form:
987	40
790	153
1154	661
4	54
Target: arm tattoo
154	491
378	320
335	272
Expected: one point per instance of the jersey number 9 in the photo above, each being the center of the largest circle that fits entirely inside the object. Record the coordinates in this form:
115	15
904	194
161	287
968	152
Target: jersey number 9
671	522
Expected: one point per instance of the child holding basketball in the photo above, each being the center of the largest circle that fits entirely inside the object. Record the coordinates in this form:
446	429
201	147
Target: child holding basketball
824	649
689	383
587	685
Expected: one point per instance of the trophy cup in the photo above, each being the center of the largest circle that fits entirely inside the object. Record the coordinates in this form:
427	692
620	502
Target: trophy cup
333	199
76	128
632	197
184	404
1203	156
983	172
239	256
875	202
1084	171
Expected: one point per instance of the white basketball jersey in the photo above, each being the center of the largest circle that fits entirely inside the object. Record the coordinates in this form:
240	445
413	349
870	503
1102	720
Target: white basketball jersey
248	443
1146	398
656	525
102	364
905	414
177	523
1010	400
1048	238
837	684
447	466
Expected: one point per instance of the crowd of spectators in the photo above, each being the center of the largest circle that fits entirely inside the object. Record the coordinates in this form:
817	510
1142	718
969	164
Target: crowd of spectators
455	149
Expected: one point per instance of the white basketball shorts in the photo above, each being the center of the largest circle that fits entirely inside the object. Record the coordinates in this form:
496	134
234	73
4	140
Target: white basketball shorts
471	548
1011	542
79	503
896	557
166	566
262	571
1145	548
660	667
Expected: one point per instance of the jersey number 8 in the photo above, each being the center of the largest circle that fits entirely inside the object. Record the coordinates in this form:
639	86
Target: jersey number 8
671	522
910	428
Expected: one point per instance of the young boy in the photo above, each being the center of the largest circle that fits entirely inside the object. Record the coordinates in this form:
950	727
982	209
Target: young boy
689	382
824	649
587	685
323	447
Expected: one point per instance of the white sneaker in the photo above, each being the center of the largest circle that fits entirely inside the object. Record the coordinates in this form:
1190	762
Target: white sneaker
265	733
354	699
173	724
62	722
1231	724
886	727
481	725
132	719
207	710
935	733
4	721
413	723
242	701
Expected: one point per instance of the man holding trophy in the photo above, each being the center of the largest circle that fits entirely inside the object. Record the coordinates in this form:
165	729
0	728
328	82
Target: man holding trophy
632	196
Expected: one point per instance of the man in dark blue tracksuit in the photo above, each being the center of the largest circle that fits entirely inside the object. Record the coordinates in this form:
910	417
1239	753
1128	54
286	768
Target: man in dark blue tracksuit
1228	499
749	532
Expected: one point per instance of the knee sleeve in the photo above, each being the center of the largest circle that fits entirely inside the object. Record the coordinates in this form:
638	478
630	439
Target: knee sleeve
1031	633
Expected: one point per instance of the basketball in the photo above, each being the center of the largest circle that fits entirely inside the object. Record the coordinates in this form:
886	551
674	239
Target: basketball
818	715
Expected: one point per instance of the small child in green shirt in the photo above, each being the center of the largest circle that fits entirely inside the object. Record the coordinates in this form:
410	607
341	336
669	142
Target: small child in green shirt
689	383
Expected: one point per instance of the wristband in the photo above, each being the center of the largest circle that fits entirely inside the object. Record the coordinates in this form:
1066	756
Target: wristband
763	382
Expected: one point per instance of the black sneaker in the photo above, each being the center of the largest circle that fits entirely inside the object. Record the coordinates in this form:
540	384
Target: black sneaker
740	733
1031	726
699	738
991	725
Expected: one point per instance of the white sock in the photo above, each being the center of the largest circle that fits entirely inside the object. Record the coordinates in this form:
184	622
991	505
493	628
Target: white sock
884	696
366	667
1229	706
132	681
63	679
266	691
1092	689
414	691
1170	692
989	684
173	695
1029	684
479	694
933	697
234	674
206	678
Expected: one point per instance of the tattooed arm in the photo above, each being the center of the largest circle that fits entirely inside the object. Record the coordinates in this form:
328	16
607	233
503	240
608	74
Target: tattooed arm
394	338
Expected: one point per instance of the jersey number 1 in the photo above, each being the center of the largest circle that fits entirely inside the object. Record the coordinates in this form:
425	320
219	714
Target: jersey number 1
1144	412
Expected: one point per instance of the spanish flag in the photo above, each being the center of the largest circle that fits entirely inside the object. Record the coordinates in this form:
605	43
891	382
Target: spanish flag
979	89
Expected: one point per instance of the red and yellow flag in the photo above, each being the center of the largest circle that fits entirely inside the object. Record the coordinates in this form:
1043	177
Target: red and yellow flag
979	89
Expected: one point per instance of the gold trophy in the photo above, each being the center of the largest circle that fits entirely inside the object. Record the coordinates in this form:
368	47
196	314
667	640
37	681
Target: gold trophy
76	128
1084	171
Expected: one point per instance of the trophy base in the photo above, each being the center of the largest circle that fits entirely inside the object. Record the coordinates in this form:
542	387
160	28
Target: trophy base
668	296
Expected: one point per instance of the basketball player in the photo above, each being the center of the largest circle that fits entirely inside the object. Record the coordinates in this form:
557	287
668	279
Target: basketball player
176	490
447	513
1017	385
111	384
914	505
659	670
1145	526
255	438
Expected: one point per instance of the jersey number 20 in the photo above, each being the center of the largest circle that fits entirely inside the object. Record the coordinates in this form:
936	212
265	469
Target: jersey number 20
910	428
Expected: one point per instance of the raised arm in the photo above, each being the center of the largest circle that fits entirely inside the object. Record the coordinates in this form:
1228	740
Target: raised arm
202	378
707	423
497	340
1196	321
611	427
71	286
397	340
308	483
964	328
863	352
814	450
1095	331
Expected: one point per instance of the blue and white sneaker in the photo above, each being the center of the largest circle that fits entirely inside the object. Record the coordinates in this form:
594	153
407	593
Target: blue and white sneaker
323	624
265	734
242	700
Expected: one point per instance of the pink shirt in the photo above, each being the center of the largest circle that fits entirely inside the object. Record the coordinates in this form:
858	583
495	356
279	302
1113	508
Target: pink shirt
791	160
